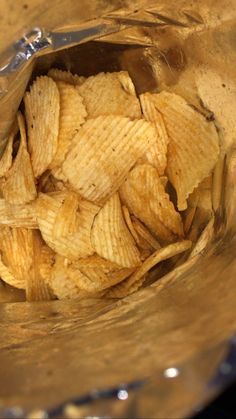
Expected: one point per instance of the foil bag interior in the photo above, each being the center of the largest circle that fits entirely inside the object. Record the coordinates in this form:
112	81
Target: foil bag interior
56	351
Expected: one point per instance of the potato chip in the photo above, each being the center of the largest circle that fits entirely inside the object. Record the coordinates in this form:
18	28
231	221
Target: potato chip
164	181
42	107
191	210
125	288
111	238
18	184
205	238
7	276
200	208
144	233
157	154
144	195
143	245
72	116
58	174
193	148
103	152
6	159
61	282
64	280
65	76
17	215
199	223
134	282
72	246
100	273
36	287
217	183
110	94
129	223
66	221
16	247
47	258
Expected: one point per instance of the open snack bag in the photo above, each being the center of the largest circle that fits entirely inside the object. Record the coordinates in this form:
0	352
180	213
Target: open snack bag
117	206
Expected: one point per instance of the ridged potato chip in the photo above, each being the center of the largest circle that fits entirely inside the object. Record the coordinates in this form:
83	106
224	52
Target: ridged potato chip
111	238
191	210
218	181
6	159
7	276
129	223
16	247
47	259
61	282
67	220
36	287
193	149
64	280
141	235
70	245
205	239
110	94
42	108
65	76
144	195
157	154
100	273
134	282
58	174
200	208
103	152
18	185
72	116
144	235
17	215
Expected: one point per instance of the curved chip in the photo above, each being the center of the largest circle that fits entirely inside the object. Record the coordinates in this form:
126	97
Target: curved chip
18	185
42	107
16	247
100	273
193	148
17	215
144	235
103	152
110	94
144	195
129	223
111	238
65	76
61	282
53	213
157	154
37	288
47	258
7	276
72	116
134	282
6	159
66	221
64	281
125	288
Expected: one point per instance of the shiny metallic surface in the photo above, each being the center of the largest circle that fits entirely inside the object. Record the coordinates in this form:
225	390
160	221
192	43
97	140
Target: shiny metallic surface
51	353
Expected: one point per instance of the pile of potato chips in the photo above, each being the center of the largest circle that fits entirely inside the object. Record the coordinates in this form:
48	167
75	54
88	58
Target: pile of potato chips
98	186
